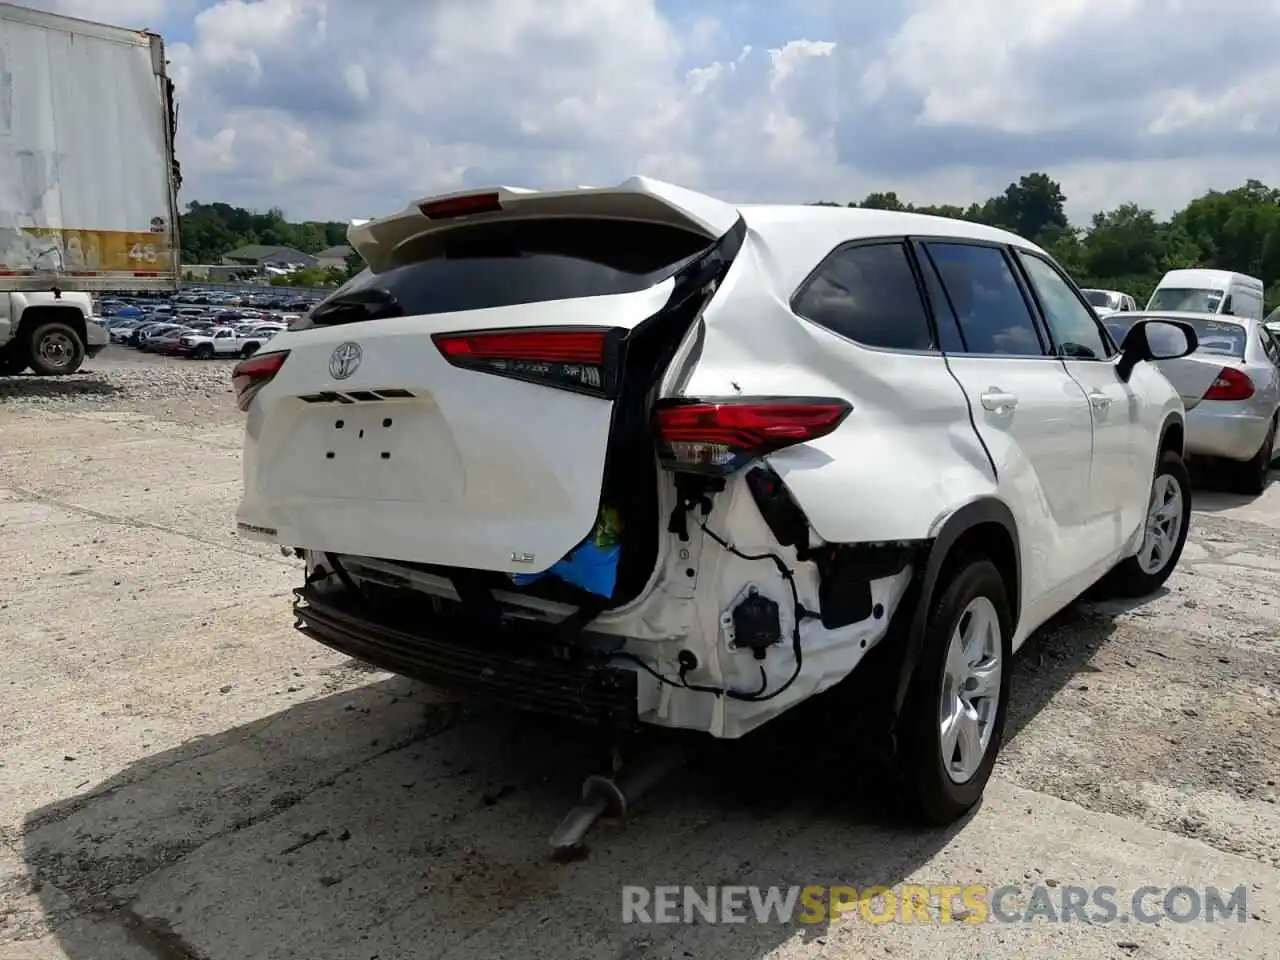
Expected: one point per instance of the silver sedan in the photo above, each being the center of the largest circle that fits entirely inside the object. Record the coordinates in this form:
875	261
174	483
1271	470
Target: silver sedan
1231	389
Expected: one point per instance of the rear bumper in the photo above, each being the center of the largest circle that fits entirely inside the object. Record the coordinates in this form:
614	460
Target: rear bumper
513	669
1215	430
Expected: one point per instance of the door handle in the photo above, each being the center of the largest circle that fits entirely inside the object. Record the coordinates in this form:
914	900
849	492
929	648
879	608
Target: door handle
1100	401
997	401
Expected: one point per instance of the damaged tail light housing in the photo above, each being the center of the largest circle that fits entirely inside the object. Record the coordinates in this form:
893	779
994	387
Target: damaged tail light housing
1230	384
719	436
250	376
579	359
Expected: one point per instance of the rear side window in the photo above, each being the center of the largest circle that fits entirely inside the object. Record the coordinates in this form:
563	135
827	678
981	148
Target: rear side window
506	263
987	302
1270	345
868	294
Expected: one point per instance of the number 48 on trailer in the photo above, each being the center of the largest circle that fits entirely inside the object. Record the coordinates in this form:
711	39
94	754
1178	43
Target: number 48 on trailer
145	252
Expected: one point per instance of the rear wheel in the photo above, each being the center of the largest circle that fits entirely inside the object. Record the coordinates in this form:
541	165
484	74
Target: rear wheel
248	350
953	719
1251	476
55	350
1165	533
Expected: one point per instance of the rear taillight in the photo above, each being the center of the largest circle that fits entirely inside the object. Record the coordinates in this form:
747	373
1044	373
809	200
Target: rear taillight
580	359
1230	384
250	376
719	436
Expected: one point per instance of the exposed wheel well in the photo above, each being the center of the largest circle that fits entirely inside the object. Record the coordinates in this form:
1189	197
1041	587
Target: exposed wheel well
1173	438
984	528
35	316
993	541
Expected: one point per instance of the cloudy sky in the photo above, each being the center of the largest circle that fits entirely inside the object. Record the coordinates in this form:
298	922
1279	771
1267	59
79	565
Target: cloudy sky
350	108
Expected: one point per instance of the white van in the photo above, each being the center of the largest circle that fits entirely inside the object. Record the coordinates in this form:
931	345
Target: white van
1208	291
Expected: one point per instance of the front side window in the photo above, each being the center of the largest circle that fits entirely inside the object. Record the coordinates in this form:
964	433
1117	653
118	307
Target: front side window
988	304
868	294
1073	325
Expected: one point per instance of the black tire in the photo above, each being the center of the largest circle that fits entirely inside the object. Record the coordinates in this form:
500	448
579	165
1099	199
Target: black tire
1251	477
55	349
203	352
248	350
1128	578
937	797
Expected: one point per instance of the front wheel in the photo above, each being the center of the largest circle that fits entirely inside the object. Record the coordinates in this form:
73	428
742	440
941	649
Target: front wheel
1164	534
248	350
954	716
203	352
55	350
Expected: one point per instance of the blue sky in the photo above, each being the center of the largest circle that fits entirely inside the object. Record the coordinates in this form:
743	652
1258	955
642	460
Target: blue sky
337	108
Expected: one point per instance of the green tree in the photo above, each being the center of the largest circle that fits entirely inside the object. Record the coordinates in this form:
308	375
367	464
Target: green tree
1130	248
210	231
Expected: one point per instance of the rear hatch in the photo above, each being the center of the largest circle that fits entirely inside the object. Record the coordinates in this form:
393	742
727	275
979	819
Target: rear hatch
1214	371
456	403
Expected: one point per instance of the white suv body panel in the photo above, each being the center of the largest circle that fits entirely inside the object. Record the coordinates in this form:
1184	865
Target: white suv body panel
491	471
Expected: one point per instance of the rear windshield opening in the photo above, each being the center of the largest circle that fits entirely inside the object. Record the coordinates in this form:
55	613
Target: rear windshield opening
510	262
1186	300
1219	337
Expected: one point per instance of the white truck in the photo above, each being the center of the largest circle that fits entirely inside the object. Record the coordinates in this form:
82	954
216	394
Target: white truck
228	341
88	182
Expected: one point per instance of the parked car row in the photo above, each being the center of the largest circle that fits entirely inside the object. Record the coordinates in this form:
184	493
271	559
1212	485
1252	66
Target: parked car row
194	296
1196	290
200	338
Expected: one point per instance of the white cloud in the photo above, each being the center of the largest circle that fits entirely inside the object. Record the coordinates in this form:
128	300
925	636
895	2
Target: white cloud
334	108
125	13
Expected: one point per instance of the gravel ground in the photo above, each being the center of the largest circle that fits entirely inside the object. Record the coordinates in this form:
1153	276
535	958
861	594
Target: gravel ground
184	777
123	379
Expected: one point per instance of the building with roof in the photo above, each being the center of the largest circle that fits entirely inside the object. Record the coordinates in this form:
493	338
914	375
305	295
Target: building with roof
263	256
334	257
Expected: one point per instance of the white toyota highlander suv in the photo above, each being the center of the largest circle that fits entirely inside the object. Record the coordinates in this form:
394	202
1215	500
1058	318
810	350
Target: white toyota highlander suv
636	455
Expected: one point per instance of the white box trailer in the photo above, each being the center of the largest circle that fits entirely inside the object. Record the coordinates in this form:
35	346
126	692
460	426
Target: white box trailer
88	180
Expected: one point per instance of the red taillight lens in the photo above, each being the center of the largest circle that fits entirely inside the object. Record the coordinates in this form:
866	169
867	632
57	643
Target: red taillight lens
460	206
719	436
1231	384
577	358
250	376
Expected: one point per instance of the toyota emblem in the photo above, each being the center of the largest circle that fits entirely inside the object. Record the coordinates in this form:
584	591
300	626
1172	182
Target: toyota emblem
345	360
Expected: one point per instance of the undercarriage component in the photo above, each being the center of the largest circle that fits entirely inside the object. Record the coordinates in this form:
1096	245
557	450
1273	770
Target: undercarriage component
613	797
513	663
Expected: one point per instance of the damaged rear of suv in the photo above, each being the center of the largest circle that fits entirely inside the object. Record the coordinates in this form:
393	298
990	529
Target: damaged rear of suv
584	452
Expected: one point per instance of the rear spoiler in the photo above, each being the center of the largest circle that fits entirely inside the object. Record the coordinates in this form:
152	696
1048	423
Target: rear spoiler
639	199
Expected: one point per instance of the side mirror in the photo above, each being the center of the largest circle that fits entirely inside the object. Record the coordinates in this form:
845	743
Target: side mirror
1155	340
